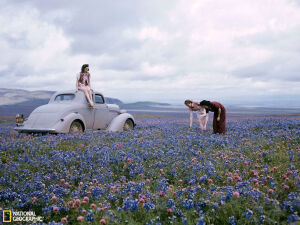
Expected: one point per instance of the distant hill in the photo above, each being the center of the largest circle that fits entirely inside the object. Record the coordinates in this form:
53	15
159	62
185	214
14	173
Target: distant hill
13	101
145	105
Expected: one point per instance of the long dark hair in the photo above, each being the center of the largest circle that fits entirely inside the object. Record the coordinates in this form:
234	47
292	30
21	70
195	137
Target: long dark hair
186	102
205	103
83	67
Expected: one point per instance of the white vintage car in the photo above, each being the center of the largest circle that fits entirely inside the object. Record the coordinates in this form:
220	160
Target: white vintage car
69	111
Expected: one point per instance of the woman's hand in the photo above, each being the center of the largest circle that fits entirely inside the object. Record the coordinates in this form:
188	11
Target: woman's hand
218	119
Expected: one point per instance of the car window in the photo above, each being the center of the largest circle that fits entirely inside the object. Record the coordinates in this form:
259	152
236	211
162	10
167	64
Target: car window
64	97
99	99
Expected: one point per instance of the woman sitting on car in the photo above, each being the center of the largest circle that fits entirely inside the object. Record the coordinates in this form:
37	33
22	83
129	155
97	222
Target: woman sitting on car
83	83
194	106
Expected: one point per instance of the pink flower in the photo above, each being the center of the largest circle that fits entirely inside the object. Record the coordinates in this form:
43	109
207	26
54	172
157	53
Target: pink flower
238	178
80	218
270	191
62	181
77	202
63	220
148	181
169	210
129	160
161	194
286	187
34	199
54	198
80	184
83	211
180	181
142	200
86	199
94	180
55	209
70	203
102	221
236	194
93	205
254	173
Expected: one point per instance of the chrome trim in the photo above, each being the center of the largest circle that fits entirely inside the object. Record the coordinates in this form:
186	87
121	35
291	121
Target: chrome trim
20	129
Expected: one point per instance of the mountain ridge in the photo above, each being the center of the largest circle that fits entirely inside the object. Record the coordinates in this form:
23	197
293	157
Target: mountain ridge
13	101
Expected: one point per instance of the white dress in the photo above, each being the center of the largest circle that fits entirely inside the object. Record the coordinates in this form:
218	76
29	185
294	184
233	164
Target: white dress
200	111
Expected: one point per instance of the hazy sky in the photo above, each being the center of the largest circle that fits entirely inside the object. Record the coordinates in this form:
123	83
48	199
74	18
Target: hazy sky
231	51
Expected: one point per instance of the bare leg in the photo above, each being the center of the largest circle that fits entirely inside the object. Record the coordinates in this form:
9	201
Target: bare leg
87	95
91	96
201	123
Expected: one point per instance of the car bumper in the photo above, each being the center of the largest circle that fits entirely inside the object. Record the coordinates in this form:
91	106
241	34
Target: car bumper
34	130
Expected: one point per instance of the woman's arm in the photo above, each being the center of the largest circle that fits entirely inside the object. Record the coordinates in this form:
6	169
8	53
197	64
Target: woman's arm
76	85
219	114
90	84
191	118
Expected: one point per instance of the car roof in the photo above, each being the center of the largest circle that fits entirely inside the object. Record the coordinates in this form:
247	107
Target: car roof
73	92
79	95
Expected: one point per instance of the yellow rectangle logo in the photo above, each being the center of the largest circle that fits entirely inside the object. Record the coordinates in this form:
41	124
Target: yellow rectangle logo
6	216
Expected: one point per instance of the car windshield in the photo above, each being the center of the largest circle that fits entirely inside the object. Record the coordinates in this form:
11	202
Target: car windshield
64	97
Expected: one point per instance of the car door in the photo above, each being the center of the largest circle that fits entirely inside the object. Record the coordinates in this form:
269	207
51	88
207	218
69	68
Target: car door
101	119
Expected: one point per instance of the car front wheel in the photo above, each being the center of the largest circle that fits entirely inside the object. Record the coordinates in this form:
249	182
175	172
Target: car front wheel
128	125
76	127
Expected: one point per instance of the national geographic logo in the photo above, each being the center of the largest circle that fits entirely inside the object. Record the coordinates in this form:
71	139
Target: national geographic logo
6	216
20	216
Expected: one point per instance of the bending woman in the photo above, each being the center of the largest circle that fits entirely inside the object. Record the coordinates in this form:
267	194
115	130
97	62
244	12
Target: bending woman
83	83
194	106
219	122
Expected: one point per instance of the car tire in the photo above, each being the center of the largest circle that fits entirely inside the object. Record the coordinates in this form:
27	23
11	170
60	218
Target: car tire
128	125
76	127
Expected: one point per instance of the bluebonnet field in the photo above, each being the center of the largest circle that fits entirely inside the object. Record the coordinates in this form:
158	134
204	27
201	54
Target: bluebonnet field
161	173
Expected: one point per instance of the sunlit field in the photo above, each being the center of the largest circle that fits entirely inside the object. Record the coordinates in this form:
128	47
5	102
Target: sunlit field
160	173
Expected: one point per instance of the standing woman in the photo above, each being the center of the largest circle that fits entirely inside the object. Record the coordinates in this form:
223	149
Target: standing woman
194	106
83	83
219	122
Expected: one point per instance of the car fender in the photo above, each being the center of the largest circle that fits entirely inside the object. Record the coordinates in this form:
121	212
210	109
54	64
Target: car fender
63	126
118	122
